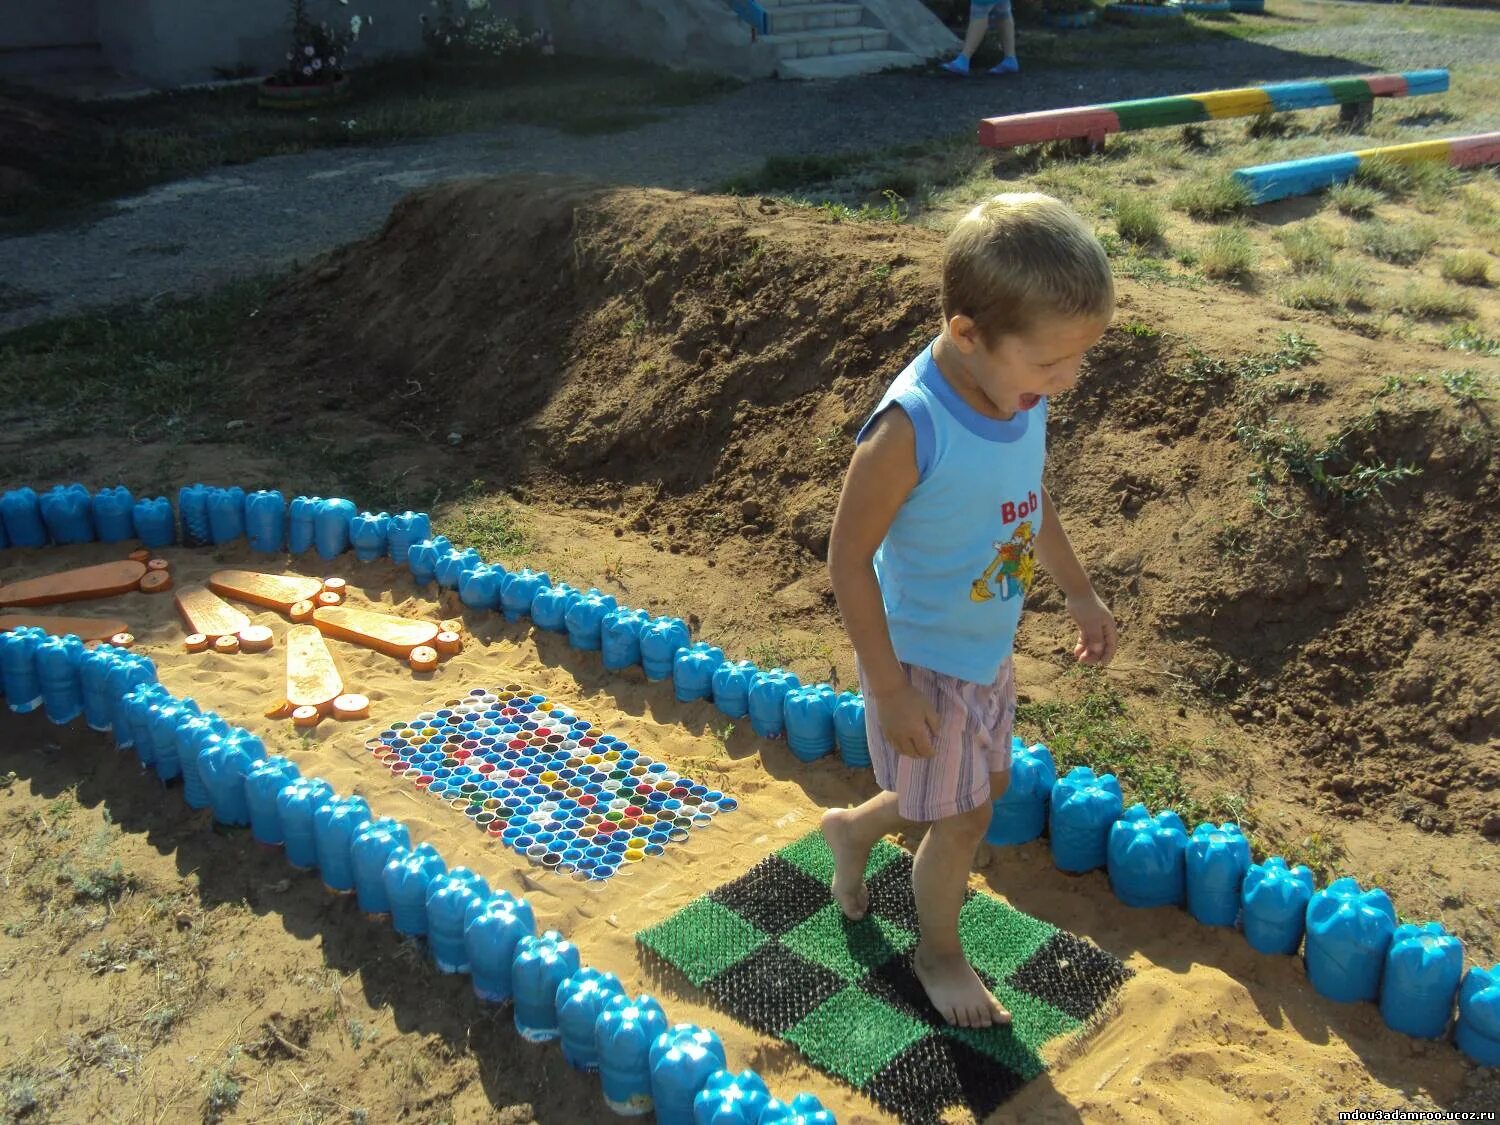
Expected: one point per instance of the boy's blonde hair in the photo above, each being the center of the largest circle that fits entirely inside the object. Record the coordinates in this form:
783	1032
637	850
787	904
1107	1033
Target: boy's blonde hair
1019	257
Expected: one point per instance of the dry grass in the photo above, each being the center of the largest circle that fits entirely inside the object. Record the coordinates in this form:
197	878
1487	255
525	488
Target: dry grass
1467	267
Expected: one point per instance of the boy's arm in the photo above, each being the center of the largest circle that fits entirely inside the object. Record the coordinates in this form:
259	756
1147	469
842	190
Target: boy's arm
881	475
1097	636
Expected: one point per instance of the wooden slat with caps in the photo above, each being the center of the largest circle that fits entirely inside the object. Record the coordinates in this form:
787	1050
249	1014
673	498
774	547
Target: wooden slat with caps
205	612
274	591
384	632
312	675
85	628
106	580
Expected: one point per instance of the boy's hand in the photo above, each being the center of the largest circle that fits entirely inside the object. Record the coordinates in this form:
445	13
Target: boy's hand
1097	635
908	721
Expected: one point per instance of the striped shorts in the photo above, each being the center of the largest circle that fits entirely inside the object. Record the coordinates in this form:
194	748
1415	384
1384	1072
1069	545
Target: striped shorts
972	742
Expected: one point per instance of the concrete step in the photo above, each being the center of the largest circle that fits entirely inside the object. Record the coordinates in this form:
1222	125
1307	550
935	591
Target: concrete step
851	65
835	41
813	17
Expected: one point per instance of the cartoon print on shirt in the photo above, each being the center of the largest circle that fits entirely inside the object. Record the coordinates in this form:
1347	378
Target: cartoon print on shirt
1013	569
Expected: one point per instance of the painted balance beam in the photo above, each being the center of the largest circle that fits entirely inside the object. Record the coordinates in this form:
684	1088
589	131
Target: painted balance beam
1094	122
1268	182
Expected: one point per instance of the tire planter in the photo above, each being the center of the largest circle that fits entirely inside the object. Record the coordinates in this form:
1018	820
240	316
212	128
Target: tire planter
1071	19
271	95
1247	6
1209	5
1144	11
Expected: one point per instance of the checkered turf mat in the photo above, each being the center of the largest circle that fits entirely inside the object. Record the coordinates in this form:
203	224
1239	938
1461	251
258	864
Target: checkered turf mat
774	951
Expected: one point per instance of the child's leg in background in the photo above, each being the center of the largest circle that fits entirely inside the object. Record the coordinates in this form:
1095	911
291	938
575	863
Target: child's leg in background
979	26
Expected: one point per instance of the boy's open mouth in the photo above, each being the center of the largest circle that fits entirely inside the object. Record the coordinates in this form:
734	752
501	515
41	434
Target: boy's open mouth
1028	401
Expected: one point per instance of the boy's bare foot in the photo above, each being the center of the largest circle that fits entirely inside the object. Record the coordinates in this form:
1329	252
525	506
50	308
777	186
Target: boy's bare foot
956	990
849	889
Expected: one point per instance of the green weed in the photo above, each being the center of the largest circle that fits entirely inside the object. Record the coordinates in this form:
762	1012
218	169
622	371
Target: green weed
1431	301
490	524
1402	245
1211	197
1343	285
1354	200
1229	255
1467	386
1137	218
1309	247
1467	267
1468	338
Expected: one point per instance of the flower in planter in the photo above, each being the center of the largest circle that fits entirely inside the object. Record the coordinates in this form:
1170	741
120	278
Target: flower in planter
318	50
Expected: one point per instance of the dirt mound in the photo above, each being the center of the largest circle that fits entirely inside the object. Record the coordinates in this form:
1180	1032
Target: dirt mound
696	367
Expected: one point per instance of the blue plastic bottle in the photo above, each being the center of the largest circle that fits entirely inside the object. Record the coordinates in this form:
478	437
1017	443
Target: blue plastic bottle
226	515
1273	905
584	620
849	730
542	963
93	677
580	999
1217	859
334	827
1423	968
192	510
165	720
549	609
196	735
265	521
681	1062
112	514
490	939
367	535
298	803
263	785
731	1099
620	637
22	514
4	539
518	590
453	564
731	687
422	557
693	671
371	850
141	703
1349	931
1021	812
405	529
625	1031
449	898
768	692
302	523
331	527
128	670
68	512
804	1109
407	878
155	524
1147	858
808	715
224	771
1478	1030
660	640
1083	809
480	588
57	670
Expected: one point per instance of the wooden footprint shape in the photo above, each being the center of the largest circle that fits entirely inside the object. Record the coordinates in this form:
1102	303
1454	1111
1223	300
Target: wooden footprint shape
384	632
103	581
312	675
85	628
274	591
205	612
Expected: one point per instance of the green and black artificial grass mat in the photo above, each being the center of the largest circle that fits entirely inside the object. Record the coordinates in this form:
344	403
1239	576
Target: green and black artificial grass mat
774	951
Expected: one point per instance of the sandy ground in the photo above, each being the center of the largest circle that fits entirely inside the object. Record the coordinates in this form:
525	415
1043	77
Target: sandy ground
1207	1030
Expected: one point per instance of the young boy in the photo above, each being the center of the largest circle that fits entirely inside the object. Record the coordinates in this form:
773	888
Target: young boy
983	13
942	521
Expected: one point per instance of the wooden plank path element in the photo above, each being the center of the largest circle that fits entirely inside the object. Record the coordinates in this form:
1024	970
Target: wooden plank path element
1268	182
205	612
85	628
106	580
1092	123
384	632
274	591
313	678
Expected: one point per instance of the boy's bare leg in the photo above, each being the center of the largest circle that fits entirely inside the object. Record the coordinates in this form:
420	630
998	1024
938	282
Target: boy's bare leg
974	36
851	833
1008	36
940	875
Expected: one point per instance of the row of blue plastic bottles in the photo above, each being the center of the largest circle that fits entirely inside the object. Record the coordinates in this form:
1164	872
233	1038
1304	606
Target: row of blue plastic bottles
813	718
679	1070
1352	945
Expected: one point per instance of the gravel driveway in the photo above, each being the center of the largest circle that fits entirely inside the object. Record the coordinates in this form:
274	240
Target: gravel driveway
188	234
